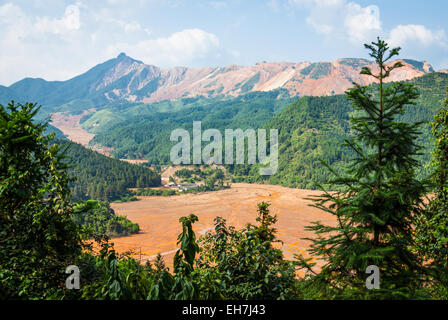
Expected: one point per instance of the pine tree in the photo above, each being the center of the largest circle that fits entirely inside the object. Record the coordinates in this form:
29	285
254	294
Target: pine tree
380	197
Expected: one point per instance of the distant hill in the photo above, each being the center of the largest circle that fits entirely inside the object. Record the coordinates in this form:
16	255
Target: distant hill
137	105
124	78
7	94
103	178
310	128
313	128
143	131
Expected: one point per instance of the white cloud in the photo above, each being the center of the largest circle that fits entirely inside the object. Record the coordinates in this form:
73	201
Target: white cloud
29	45
70	21
274	5
128	26
341	19
181	47
412	34
362	24
58	47
347	24
10	13
218	4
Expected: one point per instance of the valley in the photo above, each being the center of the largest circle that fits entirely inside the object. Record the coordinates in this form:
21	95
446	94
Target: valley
224	153
158	217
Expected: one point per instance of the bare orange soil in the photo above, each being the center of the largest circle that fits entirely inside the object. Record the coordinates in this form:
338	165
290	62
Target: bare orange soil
69	125
158	217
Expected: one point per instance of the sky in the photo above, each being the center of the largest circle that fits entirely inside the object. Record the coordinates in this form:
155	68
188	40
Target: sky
59	39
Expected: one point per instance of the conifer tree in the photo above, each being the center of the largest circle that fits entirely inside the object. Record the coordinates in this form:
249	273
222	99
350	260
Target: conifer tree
380	196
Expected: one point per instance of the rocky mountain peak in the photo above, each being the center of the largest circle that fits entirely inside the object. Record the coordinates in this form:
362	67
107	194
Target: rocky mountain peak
124	78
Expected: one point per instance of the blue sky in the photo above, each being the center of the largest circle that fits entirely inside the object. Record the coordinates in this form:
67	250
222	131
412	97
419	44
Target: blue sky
56	40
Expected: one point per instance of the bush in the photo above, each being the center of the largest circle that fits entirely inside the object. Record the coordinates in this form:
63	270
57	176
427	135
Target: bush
98	219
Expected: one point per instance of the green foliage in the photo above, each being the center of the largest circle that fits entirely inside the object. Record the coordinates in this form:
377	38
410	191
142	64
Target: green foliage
100	119
249	84
7	95
37	236
208	174
143	131
98	219
244	263
127	197
207	187
315	128
317	70
231	265
381	197
310	129
183	173
155	192
40	237
213	178
103	178
432	227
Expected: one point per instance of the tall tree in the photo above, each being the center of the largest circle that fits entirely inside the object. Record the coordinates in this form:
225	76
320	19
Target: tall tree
38	239
380	196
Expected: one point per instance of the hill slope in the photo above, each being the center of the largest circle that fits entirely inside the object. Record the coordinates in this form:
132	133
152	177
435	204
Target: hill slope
100	177
143	131
124	78
314	128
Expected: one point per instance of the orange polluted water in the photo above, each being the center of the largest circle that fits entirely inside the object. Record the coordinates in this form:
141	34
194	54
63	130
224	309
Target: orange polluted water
158	217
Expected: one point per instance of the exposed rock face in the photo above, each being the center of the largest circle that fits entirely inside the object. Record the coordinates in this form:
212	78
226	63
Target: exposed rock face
148	83
126	78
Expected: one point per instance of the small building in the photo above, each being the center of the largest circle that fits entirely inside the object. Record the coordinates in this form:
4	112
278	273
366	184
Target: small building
187	186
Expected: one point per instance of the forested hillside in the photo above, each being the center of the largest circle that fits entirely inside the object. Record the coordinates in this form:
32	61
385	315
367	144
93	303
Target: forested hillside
97	219
143	131
103	178
310	129
58	134
314	128
383	225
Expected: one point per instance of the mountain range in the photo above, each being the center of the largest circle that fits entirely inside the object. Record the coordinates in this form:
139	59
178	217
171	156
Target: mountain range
131	108
124	78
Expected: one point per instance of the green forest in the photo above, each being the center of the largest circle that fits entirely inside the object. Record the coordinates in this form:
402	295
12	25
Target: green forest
311	129
385	218
97	219
103	178
143	131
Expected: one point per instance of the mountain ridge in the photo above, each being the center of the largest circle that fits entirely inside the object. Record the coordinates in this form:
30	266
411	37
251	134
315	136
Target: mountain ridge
125	78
